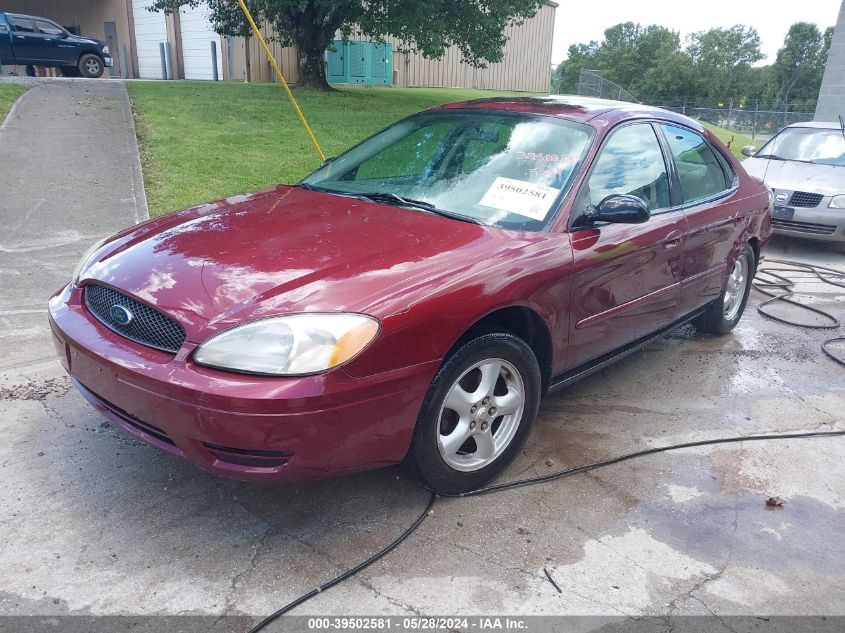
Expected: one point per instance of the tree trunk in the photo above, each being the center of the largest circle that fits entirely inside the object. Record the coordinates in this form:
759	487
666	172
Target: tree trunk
312	67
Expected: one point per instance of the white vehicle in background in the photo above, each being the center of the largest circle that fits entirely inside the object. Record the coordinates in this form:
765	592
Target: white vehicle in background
804	164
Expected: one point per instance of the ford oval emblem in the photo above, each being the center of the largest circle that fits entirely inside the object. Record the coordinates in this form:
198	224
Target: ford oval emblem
781	197
120	315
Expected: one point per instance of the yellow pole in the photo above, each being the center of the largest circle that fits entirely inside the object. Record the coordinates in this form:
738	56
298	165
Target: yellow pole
281	78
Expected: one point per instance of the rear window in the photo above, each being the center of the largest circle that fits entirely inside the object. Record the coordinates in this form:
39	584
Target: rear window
22	25
700	172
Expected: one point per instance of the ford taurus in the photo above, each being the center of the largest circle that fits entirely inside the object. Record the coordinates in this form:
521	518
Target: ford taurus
413	298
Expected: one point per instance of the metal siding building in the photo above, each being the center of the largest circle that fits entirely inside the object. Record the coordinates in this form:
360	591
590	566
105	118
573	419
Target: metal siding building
525	66
831	102
90	18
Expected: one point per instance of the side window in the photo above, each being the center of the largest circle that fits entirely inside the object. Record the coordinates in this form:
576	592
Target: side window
22	25
699	170
631	162
48	28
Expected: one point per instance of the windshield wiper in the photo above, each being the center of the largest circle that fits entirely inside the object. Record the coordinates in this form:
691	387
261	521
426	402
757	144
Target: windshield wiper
771	156
343	194
392	198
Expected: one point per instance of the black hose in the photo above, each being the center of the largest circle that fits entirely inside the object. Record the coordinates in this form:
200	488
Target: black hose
351	572
648	451
780	288
525	482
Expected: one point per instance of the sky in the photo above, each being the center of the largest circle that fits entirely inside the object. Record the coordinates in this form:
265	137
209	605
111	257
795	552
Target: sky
577	22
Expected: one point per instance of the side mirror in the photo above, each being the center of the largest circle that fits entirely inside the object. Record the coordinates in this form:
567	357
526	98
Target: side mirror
619	209
748	150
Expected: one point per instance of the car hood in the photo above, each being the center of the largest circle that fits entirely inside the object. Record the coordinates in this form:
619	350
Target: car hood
794	176
78	39
288	250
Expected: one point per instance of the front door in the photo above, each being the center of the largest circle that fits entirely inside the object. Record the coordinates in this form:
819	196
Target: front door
627	276
52	45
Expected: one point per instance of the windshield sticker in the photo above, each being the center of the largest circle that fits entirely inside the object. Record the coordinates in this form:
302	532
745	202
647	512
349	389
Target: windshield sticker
520	197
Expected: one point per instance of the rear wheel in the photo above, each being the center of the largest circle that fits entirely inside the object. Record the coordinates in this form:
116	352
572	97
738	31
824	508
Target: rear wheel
724	313
91	66
478	411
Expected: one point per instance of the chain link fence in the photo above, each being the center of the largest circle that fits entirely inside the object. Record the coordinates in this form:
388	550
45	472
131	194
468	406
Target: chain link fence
592	84
758	121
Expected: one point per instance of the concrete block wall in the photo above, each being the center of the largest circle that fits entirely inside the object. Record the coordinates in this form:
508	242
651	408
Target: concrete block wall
832	94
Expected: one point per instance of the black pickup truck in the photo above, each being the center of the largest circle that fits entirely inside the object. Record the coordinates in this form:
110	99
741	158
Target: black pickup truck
27	40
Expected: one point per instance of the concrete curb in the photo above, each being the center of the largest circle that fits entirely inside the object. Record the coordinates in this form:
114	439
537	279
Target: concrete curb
13	111
142	211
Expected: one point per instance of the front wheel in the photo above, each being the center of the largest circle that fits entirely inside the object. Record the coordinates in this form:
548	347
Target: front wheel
91	66
476	414
724	313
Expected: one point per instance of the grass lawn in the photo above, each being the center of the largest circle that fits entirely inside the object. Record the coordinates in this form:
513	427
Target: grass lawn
202	141
9	93
739	140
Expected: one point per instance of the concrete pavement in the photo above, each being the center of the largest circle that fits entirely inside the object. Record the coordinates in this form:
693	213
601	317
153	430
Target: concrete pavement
69	175
93	523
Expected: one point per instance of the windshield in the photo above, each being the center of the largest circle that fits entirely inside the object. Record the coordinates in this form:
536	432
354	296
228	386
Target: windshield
808	145
494	168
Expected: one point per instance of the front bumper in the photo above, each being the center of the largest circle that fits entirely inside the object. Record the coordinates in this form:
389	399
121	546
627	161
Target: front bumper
108	61
818	223
247	427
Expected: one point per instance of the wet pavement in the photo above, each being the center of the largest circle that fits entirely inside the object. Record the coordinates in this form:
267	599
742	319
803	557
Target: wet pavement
95	523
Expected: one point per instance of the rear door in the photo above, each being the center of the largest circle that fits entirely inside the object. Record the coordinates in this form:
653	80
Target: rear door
25	40
705	184
627	276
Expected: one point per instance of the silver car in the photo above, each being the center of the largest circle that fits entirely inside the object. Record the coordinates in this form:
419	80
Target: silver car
804	164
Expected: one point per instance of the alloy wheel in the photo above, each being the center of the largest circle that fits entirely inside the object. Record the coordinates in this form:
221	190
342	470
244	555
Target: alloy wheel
735	290
480	414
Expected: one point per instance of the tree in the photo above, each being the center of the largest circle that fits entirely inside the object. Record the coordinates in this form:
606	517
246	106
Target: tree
722	59
476	27
568	72
798	60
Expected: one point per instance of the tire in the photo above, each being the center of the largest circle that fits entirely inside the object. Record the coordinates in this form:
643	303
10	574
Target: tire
482	443
70	71
91	66
724	313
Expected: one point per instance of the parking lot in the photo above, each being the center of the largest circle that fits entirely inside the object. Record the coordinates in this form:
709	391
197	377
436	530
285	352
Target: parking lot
94	523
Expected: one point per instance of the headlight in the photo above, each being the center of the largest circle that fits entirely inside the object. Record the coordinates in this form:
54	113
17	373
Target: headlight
289	345
837	202
80	265
106	50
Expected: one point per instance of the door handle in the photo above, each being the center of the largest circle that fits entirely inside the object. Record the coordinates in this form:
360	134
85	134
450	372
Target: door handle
673	239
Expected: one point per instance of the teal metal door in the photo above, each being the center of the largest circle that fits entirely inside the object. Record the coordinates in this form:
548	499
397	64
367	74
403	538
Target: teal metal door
360	62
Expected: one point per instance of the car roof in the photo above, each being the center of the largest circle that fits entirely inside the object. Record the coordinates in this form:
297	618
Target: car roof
573	107
827	125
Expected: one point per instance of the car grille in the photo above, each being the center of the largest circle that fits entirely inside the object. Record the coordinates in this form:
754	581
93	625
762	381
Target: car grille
805	199
803	227
148	326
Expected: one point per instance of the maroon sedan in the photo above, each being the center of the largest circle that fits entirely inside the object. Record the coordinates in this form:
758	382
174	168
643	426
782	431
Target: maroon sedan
414	298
